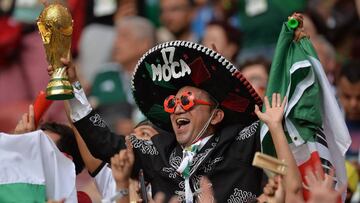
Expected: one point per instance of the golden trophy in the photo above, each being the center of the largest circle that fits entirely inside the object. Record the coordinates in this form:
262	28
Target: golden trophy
56	25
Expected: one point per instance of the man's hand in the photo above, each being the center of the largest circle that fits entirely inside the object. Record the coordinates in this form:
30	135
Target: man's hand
121	166
26	123
321	188
207	193
274	112
274	191
70	69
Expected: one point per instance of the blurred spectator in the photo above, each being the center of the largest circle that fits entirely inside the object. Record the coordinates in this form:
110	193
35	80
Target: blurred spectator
6	6
214	10
348	87
98	36
111	90
334	18
95	49
339	22
64	138
261	23
256	71
176	17
96	39
225	37
324	49
327	56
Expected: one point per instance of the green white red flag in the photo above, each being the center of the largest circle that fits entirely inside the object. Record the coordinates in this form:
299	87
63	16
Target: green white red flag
313	122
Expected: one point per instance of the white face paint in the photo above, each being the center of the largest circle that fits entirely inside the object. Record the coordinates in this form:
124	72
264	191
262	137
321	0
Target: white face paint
170	68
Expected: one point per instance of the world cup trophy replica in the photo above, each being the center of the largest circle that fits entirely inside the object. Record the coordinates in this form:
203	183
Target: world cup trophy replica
56	25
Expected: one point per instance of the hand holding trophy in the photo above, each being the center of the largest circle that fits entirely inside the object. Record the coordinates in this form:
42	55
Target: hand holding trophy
56	25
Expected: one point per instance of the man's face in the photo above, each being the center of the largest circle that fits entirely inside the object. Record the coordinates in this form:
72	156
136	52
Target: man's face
216	35
145	132
176	15
349	95
188	124
257	76
125	39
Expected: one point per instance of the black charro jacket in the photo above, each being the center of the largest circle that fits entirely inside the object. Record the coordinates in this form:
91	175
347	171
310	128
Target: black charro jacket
225	159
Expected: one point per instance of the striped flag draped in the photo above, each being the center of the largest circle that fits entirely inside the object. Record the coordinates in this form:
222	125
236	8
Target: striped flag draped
313	122
33	170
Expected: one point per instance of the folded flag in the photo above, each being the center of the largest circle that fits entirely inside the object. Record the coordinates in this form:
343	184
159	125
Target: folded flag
33	170
313	122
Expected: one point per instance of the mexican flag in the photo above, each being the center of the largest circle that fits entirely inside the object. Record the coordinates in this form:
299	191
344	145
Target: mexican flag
313	122
33	170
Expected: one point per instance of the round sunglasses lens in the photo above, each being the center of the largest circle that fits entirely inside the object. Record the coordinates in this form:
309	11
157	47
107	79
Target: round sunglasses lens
185	100
171	103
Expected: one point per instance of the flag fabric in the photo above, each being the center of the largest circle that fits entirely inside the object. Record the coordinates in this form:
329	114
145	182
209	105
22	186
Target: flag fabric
313	122
33	170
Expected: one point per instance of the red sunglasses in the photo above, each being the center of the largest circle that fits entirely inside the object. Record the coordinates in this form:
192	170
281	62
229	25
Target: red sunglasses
186	101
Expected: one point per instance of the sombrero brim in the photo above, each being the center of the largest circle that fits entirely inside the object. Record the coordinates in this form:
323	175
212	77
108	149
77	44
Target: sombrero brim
167	67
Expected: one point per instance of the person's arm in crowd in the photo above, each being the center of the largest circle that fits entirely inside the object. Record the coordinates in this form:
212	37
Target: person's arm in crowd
273	119
102	143
121	166
274	191
91	163
26	123
322	187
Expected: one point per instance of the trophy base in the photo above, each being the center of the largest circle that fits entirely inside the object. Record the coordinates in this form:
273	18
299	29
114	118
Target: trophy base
59	89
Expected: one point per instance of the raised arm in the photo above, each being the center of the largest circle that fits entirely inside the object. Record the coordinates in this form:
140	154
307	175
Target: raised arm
102	143
91	163
272	117
121	165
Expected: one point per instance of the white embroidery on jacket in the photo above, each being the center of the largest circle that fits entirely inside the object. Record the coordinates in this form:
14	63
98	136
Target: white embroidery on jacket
199	158
247	131
97	121
174	162
145	146
241	196
211	163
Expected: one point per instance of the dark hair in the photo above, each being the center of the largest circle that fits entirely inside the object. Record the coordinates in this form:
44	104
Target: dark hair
149	123
192	3
351	71
233	35
254	61
67	142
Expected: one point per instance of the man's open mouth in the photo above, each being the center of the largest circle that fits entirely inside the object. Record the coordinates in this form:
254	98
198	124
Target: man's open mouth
182	122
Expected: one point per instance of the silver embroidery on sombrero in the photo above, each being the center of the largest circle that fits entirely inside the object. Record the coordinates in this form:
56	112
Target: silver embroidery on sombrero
248	131
97	121
241	196
145	146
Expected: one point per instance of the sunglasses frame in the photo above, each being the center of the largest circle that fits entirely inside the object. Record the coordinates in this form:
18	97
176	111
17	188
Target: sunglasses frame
178	101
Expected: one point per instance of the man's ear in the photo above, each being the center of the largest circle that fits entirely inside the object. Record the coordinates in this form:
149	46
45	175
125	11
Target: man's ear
218	117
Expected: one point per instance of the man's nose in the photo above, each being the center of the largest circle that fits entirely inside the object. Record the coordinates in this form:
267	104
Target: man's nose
354	102
178	109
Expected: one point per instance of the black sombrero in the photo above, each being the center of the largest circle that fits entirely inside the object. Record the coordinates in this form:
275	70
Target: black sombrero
167	67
